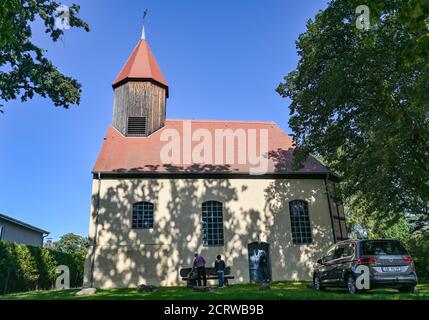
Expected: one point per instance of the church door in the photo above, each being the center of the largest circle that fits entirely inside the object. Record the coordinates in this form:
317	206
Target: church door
255	250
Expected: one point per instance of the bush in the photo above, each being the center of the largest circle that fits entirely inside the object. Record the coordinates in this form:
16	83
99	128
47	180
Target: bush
419	250
26	268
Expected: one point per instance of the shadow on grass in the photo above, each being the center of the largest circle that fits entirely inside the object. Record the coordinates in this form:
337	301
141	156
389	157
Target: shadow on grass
280	291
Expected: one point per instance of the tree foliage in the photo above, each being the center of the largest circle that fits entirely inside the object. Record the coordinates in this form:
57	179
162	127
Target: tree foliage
24	69
72	244
360	100
26	268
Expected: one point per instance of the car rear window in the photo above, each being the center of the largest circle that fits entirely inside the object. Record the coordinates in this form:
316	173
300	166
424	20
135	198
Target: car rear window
373	248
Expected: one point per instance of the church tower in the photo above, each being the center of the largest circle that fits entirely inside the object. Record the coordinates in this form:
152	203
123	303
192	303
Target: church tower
141	93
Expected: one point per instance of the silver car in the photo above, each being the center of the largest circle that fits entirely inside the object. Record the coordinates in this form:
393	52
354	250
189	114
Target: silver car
389	264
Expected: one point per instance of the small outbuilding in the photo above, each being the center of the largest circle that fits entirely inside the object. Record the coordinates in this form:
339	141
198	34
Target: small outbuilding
15	231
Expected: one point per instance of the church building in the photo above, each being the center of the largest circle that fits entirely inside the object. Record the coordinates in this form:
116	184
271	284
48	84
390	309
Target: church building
165	189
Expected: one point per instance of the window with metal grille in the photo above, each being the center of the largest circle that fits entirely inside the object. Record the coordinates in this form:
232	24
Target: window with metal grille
300	222
143	215
136	126
212	223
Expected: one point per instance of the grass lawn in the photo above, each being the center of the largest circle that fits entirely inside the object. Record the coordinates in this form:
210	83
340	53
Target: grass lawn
280	291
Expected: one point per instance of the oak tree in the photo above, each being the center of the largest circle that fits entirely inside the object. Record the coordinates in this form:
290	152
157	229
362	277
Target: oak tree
360	101
24	68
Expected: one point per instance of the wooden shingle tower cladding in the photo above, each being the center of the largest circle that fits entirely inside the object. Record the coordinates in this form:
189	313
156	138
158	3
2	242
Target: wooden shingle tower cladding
139	99
141	93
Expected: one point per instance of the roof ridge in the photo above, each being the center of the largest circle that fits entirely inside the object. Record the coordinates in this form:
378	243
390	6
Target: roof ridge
225	121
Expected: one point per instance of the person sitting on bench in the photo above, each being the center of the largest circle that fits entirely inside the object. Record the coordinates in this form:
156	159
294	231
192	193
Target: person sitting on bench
200	266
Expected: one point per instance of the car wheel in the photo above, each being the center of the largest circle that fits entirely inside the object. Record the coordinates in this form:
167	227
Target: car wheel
407	289
317	284
351	284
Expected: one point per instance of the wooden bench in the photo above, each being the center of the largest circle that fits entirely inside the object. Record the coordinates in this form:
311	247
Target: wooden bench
211	275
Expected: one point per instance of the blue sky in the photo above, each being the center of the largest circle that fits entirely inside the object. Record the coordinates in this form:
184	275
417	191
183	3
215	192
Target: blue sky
223	60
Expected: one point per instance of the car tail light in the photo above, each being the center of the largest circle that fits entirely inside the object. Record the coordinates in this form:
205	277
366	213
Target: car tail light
365	260
408	259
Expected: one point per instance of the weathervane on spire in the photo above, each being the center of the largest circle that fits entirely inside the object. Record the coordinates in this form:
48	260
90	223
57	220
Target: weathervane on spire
144	18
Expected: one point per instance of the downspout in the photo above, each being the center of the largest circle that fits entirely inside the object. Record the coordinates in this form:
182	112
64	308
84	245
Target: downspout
94	242
328	195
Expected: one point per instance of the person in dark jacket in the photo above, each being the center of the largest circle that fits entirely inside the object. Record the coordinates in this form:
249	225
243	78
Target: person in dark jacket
220	269
263	267
200	266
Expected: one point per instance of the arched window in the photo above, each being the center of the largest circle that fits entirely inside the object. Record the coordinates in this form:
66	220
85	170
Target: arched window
142	215
300	222
212	223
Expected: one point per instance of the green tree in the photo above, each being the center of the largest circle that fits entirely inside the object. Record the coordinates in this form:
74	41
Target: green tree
360	100
72	244
24	70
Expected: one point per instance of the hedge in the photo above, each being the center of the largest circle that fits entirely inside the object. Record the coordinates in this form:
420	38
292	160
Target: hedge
26	268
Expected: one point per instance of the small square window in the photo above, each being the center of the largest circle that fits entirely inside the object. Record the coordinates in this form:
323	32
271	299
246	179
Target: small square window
142	215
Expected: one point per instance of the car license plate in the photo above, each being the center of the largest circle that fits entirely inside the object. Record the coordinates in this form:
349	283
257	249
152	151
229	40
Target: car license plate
391	269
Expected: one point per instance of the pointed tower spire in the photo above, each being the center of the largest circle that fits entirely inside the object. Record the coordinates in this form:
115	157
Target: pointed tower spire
141	93
141	65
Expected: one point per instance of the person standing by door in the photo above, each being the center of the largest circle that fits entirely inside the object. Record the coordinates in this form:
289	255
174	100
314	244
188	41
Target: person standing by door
200	266
263	267
220	270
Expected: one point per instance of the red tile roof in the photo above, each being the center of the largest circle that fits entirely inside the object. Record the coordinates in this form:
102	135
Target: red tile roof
141	65
120	154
